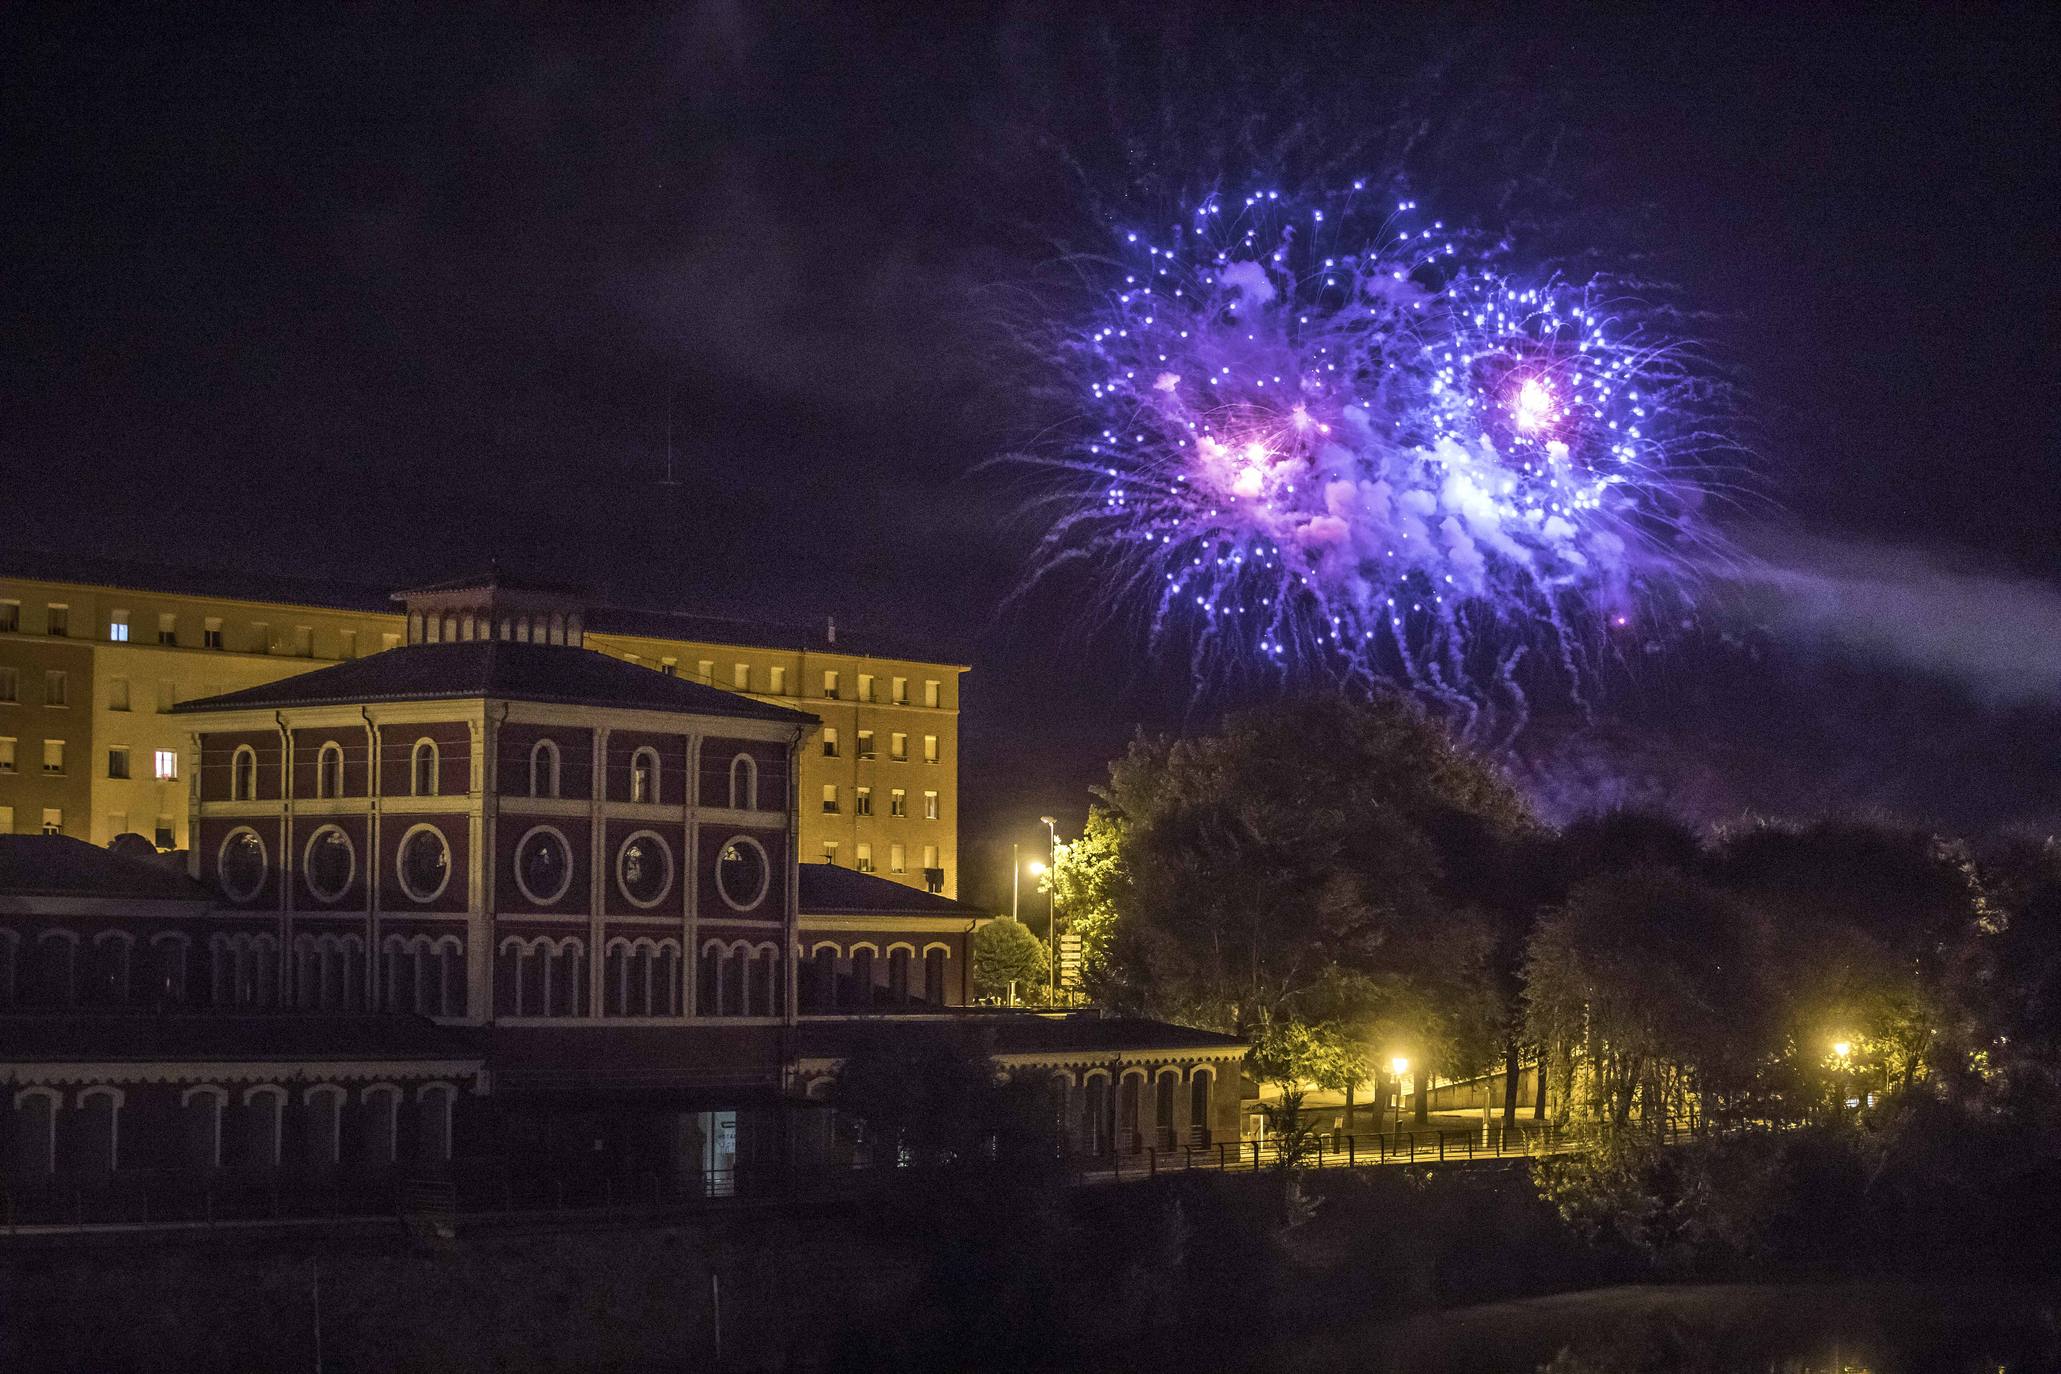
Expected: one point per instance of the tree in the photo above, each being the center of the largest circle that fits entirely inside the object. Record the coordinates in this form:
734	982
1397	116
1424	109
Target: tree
1006	957
939	1100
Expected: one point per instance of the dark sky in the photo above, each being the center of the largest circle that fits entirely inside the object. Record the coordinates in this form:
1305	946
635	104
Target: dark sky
385	290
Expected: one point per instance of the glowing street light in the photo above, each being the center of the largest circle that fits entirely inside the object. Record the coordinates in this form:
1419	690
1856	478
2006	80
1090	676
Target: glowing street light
1842	1050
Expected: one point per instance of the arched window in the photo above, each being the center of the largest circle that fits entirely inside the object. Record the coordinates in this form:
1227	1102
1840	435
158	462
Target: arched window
862	976
733	996
558	627
665	979
615	978
508	971
434	1103
10	954
56	980
544	769
1163	1123
898	974
644	775
263	978
1095	1114
770	997
744	783
826	977
322	1123
263	1126
568	979
1200	1081
329	770
99	1134
35	1132
401	973
934	976
422	768
107	980
168	968
1129	1095
202	1107
450	970
243	774
379	1119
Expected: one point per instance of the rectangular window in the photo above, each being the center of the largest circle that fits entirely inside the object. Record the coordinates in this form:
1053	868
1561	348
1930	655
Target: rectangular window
830	741
829	798
56	689
58	620
165	838
117	761
350	643
6	820
901	691
211	633
898	803
830	851
897	859
865	744
930	694
898	746
165	764
778	684
862	801
10	684
705	670
740	677
830	683
53	756
930	748
10	617
167	694
863	858
53	821
865	686
6	753
930	806
167	628
304	640
118	694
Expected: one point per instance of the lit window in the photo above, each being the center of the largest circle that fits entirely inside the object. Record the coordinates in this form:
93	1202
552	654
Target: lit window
165	764
211	633
897	859
865	744
53	756
168	629
165	838
829	798
829	741
10	617
118	627
58	620
777	681
644	776
898	746
930	694
901	691
898	803
865	686
118	694
117	761
862	803
930	748
930	806
830	684
863	861
10	685
830	851
53	821
6	753
54	687
740	677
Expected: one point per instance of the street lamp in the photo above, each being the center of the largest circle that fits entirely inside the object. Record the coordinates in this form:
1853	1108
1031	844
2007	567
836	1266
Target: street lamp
1052	906
1842	1052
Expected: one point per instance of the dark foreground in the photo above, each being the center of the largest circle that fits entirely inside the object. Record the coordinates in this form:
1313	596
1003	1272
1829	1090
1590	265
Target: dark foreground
1418	1268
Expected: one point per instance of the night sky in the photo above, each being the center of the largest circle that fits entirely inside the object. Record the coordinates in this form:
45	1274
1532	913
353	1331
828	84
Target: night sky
385	291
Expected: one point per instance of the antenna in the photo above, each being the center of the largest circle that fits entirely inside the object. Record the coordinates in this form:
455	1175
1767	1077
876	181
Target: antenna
669	480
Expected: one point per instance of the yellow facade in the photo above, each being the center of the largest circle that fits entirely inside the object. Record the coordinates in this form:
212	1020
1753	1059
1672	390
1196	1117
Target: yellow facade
128	654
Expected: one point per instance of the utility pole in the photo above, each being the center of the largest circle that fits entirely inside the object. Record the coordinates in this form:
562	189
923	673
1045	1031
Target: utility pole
1052	908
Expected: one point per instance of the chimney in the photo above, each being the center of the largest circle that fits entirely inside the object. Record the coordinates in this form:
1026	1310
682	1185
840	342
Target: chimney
830	629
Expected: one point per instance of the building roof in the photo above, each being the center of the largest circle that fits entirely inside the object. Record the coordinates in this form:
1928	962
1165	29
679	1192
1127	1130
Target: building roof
828	890
1005	1033
502	669
683	1063
219	1037
60	866
240	584
490	578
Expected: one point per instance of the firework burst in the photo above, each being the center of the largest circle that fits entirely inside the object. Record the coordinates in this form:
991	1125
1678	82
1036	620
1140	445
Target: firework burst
1336	436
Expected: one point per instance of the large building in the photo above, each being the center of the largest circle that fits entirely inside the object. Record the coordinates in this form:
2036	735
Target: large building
95	655
499	898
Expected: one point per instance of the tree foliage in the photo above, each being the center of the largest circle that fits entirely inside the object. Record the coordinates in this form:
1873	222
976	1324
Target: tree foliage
1006	955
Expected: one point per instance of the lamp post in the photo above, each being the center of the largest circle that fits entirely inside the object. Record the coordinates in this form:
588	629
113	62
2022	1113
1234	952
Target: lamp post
1015	876
1399	1066
1842	1055
1052	906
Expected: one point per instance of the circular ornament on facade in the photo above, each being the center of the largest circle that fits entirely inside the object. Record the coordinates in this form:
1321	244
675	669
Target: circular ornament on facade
742	873
644	869
424	863
543	865
330	862
242	864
